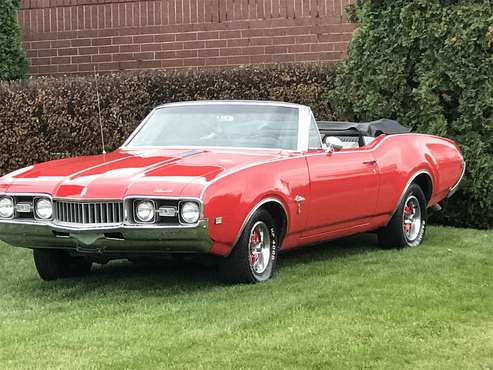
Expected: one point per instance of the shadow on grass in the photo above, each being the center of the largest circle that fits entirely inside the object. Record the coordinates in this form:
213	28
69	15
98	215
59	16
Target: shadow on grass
178	277
190	271
339	248
167	272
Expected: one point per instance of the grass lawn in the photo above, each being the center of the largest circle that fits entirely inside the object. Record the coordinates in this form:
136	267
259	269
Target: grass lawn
345	304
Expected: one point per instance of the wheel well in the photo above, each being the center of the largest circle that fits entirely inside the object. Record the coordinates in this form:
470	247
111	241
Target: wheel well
280	217
425	183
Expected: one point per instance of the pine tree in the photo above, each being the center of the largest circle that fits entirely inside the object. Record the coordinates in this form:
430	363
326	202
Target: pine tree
13	61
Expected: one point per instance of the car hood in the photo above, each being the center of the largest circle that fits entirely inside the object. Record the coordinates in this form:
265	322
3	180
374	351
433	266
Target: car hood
129	172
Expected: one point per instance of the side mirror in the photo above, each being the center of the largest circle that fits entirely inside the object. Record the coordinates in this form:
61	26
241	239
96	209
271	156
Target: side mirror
333	144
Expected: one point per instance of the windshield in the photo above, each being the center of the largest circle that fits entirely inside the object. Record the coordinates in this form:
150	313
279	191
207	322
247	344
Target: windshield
221	125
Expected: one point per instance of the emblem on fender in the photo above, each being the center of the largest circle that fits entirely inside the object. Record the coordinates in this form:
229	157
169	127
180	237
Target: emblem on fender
299	199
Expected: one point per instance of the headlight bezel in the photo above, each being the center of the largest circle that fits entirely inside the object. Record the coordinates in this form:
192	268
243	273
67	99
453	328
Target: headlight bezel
182	204
12	204
37	217
189	210
137	203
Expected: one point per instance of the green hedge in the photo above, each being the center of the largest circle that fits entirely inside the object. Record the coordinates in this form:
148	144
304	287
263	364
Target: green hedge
46	118
13	61
429	64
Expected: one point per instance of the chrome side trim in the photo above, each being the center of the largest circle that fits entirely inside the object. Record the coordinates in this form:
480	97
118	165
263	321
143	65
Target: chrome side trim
409	182
254	209
454	188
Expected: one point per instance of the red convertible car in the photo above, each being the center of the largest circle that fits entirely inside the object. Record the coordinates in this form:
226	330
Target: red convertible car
240	180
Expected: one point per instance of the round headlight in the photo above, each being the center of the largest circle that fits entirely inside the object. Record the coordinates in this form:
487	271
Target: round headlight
145	211
190	212
44	209
6	207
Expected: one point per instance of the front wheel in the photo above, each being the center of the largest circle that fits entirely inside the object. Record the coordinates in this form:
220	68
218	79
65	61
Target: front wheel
253	258
407	226
53	264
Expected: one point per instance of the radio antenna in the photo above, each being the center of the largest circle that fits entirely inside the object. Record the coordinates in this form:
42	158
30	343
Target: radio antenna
99	110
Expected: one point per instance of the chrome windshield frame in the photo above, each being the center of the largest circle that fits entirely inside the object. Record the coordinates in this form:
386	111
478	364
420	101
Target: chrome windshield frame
304	116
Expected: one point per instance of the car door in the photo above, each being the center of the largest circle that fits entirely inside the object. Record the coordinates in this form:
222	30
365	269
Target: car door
343	190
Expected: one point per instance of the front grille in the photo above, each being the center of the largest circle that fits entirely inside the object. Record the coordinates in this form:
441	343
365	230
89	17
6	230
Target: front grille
89	213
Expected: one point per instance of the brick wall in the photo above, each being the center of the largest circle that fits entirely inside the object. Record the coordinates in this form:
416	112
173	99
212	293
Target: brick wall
74	36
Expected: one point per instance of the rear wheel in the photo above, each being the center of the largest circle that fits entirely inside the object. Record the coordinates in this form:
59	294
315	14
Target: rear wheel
253	258
407	226
53	264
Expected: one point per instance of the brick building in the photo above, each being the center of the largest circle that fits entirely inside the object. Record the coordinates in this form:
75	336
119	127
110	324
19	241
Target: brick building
74	36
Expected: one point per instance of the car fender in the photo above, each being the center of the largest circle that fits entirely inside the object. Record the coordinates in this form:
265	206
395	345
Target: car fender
249	189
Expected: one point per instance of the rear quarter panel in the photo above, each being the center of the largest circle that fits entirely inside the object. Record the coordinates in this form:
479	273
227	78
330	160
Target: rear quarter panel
401	157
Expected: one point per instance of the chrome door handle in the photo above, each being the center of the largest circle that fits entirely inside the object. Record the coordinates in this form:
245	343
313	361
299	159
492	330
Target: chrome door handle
370	161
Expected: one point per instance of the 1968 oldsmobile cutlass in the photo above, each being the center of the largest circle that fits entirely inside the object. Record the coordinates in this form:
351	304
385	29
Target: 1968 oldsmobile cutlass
240	180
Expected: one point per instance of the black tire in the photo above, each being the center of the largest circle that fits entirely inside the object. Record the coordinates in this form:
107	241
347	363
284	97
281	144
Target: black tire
53	264
237	267
394	235
77	267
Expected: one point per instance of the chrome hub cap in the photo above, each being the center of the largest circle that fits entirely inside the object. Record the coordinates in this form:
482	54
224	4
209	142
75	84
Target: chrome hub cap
411	223
259	247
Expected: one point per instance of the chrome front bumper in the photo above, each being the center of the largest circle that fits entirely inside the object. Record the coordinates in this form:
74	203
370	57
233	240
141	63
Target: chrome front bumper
120	240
